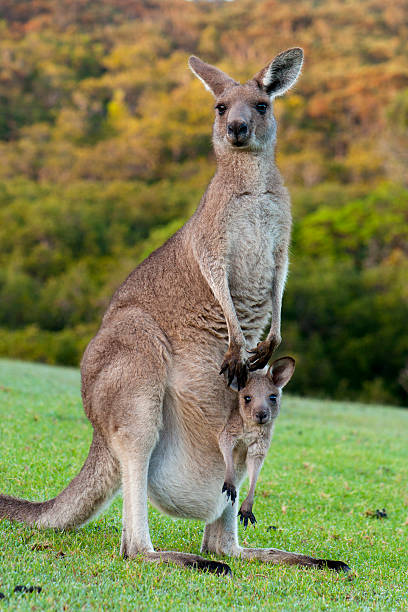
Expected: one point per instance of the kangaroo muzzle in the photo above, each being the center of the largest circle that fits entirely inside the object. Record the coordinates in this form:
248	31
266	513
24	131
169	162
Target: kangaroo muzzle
237	132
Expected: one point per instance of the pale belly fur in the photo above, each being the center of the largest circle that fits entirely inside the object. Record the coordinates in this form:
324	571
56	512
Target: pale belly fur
187	469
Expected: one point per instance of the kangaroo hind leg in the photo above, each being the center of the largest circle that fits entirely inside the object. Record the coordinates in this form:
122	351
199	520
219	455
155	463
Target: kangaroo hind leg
137	377
134	445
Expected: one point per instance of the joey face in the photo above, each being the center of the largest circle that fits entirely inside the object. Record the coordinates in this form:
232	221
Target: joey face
259	400
244	119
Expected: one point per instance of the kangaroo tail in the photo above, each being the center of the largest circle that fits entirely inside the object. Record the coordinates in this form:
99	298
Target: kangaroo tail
85	495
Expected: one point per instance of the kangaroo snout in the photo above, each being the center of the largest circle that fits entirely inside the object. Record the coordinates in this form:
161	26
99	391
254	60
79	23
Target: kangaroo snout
237	132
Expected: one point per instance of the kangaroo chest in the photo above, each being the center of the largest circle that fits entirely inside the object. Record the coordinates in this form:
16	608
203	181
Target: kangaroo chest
258	243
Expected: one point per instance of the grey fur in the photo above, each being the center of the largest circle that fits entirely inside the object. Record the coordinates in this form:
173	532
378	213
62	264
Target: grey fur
150	377
246	437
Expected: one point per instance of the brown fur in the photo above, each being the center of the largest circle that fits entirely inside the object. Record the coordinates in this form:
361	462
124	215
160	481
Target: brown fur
150	377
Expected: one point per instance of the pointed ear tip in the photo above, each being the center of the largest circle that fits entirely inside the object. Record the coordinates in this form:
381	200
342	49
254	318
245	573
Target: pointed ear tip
295	51
193	59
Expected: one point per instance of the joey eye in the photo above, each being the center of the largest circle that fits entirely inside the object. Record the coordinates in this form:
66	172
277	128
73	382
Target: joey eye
247	399
221	108
261	107
272	399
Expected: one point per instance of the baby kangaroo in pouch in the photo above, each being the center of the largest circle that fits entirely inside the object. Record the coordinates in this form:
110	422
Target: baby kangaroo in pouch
248	432
150	377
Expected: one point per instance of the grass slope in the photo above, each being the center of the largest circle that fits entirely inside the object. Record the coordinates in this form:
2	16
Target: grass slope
329	464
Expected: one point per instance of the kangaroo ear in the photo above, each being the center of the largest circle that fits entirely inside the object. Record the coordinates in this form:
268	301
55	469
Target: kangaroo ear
281	370
281	73
214	80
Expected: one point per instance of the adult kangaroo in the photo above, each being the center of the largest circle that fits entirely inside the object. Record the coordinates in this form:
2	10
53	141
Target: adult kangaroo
151	383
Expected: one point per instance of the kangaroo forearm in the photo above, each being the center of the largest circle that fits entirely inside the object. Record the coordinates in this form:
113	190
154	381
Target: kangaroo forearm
278	286
213	269
226	444
254	464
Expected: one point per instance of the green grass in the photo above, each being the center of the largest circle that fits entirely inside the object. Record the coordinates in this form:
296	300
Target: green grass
330	465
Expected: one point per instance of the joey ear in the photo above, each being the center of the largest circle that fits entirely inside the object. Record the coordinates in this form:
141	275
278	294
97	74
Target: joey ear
281	370
276	78
214	79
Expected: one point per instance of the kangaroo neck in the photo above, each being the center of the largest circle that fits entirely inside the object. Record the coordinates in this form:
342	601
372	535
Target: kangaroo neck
245	172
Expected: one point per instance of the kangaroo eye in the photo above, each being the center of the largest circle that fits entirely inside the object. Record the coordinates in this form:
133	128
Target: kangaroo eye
221	108
247	399
272	399
261	107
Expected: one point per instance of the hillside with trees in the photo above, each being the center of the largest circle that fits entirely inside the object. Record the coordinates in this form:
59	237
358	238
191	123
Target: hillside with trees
105	150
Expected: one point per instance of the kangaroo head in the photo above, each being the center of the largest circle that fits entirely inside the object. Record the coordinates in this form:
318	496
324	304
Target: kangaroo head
259	400
244	113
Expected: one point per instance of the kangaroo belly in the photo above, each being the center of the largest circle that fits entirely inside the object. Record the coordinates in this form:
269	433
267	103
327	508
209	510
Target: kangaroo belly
178	486
187	469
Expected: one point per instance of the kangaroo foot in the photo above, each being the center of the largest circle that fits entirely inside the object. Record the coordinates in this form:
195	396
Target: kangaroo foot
274	555
230	490
188	560
246	516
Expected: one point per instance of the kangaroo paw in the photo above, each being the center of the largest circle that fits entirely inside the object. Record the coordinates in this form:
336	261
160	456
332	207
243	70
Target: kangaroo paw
230	490
261	355
245	517
235	366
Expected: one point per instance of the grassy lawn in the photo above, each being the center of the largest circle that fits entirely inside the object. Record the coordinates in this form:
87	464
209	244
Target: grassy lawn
330	467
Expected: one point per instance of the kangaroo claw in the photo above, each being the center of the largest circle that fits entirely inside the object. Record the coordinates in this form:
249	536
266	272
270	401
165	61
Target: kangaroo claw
245	517
260	355
234	367
230	490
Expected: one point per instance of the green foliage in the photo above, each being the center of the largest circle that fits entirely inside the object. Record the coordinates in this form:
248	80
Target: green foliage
105	150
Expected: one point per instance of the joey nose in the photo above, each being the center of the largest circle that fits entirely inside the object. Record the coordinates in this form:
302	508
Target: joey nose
262	416
237	131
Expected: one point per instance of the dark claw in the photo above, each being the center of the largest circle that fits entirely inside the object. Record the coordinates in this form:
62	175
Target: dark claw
234	367
214	567
242	378
223	368
231	491
338	566
260	356
256	363
245	517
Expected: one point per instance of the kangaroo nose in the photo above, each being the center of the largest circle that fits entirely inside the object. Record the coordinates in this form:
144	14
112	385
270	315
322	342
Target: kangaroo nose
237	129
262	415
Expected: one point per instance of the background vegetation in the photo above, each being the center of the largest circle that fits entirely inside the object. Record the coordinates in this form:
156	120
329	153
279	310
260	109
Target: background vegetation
105	150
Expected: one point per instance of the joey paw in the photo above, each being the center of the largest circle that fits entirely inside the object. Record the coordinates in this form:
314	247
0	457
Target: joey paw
235	366
230	490
245	517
